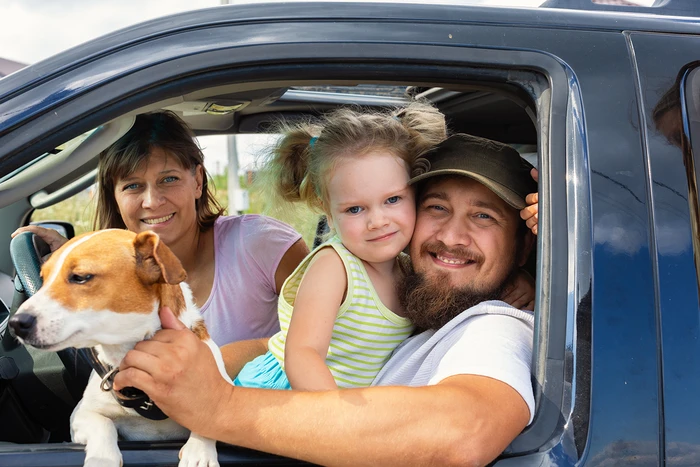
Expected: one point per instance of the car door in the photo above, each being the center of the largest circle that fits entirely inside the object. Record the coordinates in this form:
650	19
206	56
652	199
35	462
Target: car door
669	91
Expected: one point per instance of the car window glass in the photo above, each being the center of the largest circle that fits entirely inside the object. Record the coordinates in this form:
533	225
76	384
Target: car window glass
690	158
67	145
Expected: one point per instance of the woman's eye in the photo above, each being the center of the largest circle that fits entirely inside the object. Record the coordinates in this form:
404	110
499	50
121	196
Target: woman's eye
354	210
130	186
393	199
170	179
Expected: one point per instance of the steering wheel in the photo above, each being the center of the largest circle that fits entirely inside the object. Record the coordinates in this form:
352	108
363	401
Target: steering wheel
27	251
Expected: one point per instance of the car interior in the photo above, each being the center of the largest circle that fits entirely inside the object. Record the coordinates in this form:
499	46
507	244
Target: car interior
38	389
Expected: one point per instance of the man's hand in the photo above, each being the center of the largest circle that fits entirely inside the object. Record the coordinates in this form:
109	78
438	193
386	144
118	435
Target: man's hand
178	372
530	213
521	292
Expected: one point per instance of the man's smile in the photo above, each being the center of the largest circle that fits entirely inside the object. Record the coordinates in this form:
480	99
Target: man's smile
450	261
455	261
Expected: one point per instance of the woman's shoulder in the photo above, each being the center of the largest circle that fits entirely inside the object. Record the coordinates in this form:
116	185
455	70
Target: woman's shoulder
252	224
258	238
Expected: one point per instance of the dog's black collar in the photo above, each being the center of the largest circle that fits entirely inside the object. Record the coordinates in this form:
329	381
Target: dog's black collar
131	398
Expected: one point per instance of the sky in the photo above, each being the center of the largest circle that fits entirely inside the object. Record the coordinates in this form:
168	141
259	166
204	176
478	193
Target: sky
37	29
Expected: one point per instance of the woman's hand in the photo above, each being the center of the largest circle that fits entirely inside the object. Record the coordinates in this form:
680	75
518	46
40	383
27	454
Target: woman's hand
530	213
50	236
178	372
521	292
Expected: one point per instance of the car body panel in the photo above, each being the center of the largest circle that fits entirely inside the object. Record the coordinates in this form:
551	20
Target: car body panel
677	285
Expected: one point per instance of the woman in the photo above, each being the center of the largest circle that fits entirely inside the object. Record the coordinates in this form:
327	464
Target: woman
153	178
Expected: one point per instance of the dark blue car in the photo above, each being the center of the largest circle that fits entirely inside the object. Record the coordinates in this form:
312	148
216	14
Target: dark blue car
603	98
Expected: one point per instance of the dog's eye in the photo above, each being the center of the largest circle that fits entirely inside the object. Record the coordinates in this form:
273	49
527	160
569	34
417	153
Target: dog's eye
78	279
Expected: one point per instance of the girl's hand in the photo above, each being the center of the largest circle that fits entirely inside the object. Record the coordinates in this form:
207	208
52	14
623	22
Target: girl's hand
521	292
530	213
50	236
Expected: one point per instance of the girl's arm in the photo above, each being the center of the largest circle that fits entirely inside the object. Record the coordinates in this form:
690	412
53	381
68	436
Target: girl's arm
530	212
237	354
316	307
521	292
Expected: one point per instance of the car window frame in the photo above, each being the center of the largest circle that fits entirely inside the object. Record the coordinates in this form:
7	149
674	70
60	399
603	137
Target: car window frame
560	147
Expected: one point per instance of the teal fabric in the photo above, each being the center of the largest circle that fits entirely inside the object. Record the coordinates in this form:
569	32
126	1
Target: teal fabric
263	372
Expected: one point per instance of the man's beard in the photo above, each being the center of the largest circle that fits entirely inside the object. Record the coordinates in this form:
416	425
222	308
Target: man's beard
432	302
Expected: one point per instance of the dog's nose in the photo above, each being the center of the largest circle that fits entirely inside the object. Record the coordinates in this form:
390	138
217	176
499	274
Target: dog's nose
22	324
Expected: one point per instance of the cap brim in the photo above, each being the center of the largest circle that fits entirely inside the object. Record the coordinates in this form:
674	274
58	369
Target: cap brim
503	192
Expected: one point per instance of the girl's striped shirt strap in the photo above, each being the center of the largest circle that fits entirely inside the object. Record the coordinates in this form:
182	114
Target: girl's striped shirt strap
365	332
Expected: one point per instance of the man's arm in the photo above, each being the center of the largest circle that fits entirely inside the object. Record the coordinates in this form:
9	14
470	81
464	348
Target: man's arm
463	420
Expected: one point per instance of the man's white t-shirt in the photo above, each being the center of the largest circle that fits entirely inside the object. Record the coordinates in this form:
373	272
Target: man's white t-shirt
490	339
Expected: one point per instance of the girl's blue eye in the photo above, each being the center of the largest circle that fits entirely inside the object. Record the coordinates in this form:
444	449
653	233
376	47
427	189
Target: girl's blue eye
354	209
131	186
393	199
170	179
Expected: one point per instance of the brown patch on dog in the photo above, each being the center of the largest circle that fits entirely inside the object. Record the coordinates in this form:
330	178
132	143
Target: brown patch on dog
116	270
155	262
172	297
98	274
200	330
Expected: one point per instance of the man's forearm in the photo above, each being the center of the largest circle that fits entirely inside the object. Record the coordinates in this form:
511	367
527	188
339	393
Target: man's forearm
435	425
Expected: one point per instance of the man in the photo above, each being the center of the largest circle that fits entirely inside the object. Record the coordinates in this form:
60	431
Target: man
457	393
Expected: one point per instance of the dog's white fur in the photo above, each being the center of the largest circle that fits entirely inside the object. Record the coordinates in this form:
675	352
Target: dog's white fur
98	417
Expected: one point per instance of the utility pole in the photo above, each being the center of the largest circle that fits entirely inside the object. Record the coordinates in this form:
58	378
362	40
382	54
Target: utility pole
238	201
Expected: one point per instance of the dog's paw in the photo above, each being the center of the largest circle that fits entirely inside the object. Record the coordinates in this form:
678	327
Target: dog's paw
198	452
99	461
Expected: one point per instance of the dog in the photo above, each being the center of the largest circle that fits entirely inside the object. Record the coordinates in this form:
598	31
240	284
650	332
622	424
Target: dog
103	290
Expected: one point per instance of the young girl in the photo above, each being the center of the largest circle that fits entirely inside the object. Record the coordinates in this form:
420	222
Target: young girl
339	312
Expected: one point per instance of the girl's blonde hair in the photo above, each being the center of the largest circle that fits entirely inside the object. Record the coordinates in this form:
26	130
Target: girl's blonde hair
308	151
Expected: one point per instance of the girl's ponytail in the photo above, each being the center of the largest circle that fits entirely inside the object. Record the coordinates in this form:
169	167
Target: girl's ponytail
290	164
425	125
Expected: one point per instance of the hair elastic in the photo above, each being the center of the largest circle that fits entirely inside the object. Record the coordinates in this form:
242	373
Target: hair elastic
312	141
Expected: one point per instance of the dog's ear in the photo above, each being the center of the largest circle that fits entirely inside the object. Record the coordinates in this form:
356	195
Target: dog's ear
155	262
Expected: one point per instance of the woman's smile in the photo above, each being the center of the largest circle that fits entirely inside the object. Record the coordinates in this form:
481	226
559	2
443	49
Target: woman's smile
158	220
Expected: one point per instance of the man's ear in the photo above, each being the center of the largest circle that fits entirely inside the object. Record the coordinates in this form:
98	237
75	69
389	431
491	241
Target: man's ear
528	244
